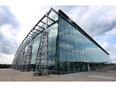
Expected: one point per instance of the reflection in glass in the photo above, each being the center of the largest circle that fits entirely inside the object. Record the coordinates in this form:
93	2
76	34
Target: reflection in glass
76	50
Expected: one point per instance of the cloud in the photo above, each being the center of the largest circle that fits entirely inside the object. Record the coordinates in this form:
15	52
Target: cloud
111	48
9	27
99	22
95	20
6	17
111	33
6	58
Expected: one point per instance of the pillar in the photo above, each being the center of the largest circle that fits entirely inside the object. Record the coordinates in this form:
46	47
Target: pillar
88	67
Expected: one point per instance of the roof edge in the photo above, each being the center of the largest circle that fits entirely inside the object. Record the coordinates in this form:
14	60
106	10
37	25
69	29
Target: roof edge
63	15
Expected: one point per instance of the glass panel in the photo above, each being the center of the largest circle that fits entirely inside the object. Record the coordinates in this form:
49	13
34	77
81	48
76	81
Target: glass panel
53	15
35	48
76	50
52	37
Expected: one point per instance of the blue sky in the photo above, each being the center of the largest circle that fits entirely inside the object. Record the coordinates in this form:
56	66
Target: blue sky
17	20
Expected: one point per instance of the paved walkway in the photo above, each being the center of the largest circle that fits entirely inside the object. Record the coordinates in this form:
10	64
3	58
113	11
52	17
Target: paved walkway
14	75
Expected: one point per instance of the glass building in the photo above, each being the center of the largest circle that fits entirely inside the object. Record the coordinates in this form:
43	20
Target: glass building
57	44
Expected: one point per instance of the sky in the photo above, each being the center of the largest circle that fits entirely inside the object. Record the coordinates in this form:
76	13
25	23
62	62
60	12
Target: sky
16	20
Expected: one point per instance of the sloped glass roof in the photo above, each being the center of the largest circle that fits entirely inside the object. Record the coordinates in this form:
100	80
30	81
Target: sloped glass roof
39	27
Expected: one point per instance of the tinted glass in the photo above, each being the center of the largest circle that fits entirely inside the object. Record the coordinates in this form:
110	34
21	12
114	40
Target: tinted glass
75	49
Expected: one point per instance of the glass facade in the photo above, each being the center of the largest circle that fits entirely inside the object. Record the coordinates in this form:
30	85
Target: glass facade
69	50
35	48
53	33
76	50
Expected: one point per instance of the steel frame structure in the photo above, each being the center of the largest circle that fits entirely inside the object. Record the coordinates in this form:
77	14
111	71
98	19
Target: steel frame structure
22	58
25	61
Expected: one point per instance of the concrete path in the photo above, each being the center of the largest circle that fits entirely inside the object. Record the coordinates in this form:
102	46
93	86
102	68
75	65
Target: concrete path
15	75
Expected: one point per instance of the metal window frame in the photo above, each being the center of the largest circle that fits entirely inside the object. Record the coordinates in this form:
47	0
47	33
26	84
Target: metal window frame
69	20
37	24
30	36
